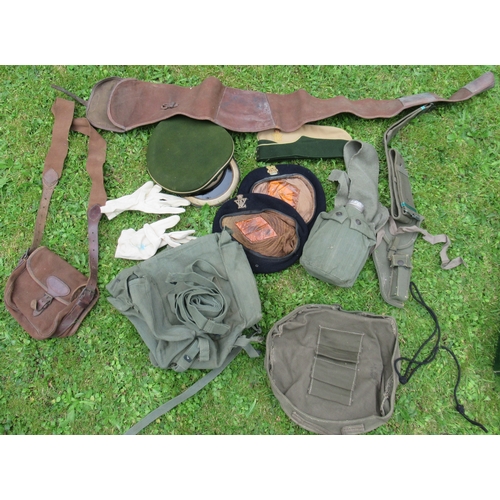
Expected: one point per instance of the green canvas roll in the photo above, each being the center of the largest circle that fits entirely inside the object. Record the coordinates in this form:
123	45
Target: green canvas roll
309	141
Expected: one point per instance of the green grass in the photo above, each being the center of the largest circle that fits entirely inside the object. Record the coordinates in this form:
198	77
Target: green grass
100	381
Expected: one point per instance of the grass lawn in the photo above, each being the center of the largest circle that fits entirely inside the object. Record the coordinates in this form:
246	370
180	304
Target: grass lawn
101	382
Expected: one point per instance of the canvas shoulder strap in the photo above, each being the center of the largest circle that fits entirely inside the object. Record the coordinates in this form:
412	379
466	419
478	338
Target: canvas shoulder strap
395	241
191	391
402	204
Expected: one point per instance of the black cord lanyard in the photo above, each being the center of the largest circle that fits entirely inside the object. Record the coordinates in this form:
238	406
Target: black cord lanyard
414	364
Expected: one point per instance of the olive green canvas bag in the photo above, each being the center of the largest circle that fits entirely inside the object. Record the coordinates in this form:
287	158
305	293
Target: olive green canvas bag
333	370
192	305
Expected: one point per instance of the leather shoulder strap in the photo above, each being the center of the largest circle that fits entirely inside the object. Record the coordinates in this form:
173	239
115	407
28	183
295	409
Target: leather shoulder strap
63	122
62	110
97	198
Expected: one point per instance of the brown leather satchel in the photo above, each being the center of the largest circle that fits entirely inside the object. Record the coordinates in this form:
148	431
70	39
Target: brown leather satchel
47	296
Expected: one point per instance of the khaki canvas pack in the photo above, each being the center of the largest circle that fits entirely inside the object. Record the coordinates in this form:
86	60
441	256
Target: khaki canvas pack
191	306
191	303
46	295
333	370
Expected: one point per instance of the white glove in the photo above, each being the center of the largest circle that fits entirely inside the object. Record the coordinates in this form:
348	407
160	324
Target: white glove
143	244
148	199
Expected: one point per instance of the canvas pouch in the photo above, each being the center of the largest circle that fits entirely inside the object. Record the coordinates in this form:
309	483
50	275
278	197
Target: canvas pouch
341	240
332	370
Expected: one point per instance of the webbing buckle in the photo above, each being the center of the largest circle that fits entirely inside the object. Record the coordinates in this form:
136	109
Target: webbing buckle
411	211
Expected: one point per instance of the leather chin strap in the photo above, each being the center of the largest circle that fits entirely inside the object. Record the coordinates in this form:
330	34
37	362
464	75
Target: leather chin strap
122	104
63	122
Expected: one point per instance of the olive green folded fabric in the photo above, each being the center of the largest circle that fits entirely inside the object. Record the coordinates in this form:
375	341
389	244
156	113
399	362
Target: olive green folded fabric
309	141
191	304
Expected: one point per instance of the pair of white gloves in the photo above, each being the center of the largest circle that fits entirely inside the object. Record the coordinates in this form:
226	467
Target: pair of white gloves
144	243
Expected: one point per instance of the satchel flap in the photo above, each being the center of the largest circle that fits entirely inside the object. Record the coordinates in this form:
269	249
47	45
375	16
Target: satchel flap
53	274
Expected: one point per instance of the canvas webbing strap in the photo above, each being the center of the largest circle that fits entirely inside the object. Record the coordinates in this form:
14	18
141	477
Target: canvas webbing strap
402	204
191	391
446	262
395	241
122	104
63	110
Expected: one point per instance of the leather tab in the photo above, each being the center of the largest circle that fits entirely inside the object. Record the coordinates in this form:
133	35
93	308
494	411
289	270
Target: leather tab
41	304
50	178
94	213
56	287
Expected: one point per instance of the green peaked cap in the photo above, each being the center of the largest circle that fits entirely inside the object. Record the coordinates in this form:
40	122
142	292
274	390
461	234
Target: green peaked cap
186	156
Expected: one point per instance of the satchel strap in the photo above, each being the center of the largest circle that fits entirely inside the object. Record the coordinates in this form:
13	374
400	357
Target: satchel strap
54	161
63	111
97	198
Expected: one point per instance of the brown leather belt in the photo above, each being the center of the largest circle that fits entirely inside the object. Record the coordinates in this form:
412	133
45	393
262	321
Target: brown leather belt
122	104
